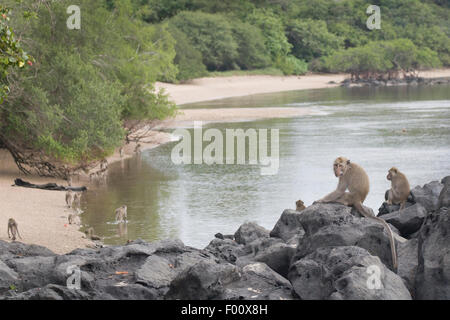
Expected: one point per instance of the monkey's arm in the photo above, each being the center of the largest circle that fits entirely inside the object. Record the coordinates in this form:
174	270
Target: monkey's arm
336	194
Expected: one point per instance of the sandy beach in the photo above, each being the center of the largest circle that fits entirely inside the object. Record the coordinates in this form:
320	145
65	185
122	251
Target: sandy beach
42	215
205	89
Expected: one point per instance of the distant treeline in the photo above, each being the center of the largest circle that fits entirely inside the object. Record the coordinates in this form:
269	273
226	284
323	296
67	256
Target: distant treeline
69	96
299	35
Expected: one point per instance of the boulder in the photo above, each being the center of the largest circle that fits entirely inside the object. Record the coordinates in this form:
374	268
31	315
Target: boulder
11	249
433	271
408	220
50	292
226	249
444	196
202	281
332	224
249	232
345	273
258	282
428	195
408	261
8	277
288	227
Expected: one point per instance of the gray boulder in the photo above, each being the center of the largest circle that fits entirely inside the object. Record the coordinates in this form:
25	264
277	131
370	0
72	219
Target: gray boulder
258	282
332	224
249	232
408	261
408	220
50	292
288	227
433	271
226	249
444	196
345	273
12	249
203	281
8	277
428	195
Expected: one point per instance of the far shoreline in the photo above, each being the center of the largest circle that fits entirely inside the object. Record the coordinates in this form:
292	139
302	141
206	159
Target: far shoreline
217	88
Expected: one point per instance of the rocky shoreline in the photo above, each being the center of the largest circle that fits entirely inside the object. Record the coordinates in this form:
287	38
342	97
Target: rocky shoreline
413	81
326	251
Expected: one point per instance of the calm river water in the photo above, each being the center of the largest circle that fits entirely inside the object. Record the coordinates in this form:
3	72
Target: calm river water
193	202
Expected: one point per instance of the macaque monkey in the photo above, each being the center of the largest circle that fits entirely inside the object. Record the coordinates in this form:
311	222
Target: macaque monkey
13	229
300	205
77	200
121	152
138	148
69	198
90	234
399	192
354	178
74	219
121	214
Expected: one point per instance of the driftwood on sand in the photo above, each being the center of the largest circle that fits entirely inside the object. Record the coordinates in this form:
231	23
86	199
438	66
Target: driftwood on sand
48	186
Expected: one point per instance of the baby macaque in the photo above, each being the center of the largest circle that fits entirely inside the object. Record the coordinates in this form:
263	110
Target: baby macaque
300	205
121	214
13	229
69	198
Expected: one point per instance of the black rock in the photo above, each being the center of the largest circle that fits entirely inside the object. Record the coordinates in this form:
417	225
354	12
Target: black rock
408	220
444	196
332	224
288	227
249	232
428	195
433	271
343	273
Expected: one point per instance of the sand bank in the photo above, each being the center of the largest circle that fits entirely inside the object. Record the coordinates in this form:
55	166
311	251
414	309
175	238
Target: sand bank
205	89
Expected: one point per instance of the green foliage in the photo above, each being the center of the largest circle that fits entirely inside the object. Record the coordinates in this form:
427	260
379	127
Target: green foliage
291	65
212	35
11	53
273	29
381	57
188	59
86	82
311	39
252	53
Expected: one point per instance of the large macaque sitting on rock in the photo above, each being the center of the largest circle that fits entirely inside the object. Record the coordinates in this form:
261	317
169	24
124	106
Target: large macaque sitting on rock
354	178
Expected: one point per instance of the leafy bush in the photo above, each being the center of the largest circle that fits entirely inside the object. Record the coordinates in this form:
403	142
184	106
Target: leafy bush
291	65
212	35
72	103
311	39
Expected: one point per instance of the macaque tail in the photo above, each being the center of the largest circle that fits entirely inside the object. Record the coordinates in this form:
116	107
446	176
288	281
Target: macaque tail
360	208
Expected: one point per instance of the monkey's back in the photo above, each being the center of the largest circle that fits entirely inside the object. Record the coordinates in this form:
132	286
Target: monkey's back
358	182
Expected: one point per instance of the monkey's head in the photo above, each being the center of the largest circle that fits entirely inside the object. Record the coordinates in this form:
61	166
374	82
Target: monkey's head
299	203
392	173
340	166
